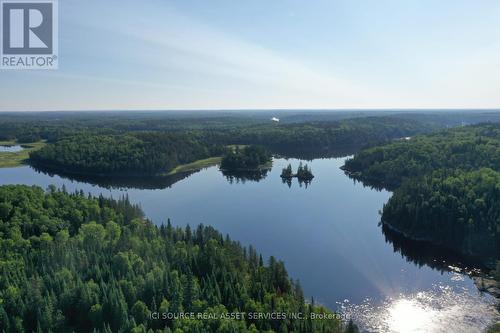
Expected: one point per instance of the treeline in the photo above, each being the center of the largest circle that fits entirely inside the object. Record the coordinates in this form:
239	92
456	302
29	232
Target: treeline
52	126
148	153
297	130
456	209
465	148
71	262
293	136
223	130
322	136
447	187
151	145
248	158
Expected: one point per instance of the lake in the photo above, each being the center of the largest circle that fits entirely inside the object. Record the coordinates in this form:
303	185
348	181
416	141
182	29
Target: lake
329	237
11	149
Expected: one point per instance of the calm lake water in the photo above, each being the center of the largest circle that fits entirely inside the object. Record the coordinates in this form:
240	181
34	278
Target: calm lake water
329	237
11	149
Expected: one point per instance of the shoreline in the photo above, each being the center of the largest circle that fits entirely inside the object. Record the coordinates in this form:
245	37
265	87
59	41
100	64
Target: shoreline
180	169
262	167
483	282
16	159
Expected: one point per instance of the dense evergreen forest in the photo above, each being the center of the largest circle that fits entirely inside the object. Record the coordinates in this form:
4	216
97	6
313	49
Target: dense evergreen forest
457	209
322	136
447	187
144	153
33	126
465	148
248	158
155	145
71	262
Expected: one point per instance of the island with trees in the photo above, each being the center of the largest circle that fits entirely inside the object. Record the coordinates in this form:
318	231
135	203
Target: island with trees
72	262
145	145
305	133
304	173
247	159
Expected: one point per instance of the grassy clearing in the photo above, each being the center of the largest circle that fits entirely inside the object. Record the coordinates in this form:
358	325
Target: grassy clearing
201	164
196	165
9	160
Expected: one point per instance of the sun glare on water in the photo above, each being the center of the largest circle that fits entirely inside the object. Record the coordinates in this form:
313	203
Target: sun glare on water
441	309
408	316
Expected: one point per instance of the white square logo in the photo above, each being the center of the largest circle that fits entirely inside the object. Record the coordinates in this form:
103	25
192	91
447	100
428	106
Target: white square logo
29	34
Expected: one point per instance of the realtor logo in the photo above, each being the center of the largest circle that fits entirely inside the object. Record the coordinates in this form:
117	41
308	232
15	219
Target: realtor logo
29	34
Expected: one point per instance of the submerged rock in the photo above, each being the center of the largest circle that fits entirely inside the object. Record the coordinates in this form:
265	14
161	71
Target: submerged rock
487	285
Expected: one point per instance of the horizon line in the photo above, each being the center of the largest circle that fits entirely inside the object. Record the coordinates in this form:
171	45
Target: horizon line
255	110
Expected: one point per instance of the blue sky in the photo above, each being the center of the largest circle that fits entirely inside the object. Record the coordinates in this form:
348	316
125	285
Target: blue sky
251	54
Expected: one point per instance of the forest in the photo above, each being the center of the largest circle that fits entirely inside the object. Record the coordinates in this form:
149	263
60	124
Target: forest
453	208
446	187
152	145
52	126
248	158
122	149
465	148
72	262
145	153
320	137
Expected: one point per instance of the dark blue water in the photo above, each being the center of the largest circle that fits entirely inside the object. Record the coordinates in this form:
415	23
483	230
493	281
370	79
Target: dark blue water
328	235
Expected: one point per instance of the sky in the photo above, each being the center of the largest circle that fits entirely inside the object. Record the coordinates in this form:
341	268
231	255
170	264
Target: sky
266	54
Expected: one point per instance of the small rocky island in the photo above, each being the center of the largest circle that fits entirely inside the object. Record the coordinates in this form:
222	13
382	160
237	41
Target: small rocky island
304	173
